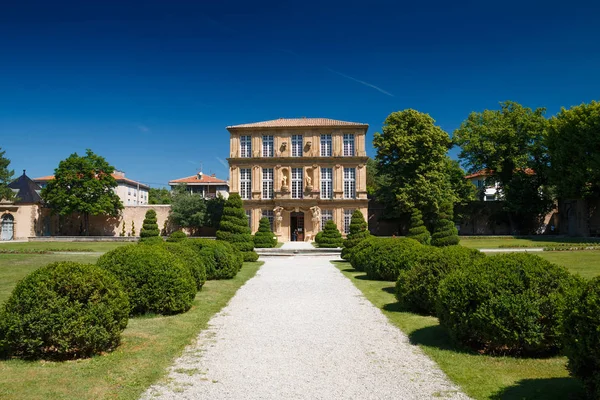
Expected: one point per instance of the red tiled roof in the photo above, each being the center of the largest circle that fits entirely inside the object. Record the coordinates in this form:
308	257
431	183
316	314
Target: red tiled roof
298	122
118	178
195	179
487	172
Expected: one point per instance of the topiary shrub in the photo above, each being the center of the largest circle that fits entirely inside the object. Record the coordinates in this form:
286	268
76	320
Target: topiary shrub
417	287
445	232
154	279
318	237
581	337
177	236
191	259
389	256
221	259
264	237
506	304
361	253
417	230
331	237
358	233
64	310
234	227
149	226
152	240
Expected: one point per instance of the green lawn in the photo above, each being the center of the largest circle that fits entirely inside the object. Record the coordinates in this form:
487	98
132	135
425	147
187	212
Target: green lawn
481	242
480	376
585	263
150	344
58	246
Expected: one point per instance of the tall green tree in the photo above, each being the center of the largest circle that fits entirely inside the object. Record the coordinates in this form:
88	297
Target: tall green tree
510	144
234	227
214	211
84	185
6	177
574	151
159	196
188	210
411	160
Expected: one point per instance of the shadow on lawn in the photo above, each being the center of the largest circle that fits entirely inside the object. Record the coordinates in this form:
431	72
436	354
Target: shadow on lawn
389	289
543	389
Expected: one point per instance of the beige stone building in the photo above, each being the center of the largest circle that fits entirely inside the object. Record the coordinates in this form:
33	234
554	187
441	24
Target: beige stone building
299	173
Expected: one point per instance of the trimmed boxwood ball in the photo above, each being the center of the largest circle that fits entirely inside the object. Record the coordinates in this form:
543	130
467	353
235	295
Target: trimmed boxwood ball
234	229
358	233
264	237
64	310
177	236
417	230
221	260
581	337
331	237
506	304
191	259
417	287
362	252
389	256
155	280
149	226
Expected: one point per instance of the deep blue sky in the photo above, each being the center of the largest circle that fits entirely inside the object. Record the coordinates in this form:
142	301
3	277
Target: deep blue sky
152	85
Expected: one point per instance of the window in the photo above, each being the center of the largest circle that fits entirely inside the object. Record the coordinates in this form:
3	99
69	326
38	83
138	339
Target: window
296	145
267	148
249	217
297	183
245	183
269	214
245	146
348	144
349	183
327	183
325	145
267	183
326	215
347	220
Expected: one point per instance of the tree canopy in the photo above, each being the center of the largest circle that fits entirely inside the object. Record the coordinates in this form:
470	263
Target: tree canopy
510	145
6	177
85	185
188	210
159	196
573	148
411	154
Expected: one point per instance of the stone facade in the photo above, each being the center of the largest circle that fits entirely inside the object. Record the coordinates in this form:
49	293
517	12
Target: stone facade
299	173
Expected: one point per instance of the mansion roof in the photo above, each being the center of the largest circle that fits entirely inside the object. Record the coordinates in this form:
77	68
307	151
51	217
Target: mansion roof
199	179
299	123
26	190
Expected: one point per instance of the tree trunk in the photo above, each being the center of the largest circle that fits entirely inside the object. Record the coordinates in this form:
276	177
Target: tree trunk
86	224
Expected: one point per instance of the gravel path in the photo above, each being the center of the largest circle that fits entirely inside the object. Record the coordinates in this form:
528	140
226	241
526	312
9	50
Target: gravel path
301	330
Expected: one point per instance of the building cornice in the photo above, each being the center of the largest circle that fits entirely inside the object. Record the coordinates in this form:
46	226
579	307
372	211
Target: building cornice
305	161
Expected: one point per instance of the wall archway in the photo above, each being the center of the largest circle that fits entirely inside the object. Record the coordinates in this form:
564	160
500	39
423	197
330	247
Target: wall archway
7	224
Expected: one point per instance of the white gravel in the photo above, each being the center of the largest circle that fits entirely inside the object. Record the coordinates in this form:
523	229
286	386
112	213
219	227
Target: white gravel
301	330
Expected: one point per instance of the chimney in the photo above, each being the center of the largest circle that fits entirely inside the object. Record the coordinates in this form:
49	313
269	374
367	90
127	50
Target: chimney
200	175
214	175
119	173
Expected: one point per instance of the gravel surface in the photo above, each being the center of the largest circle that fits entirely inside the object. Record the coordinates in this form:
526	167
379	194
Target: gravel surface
301	330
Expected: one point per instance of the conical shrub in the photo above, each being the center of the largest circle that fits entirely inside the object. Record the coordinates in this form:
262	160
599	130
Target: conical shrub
445	233
149	226
264	237
358	232
331	237
234	227
417	230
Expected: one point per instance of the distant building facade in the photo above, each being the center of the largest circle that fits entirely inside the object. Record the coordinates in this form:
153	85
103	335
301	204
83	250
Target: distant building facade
19	218
488	191
299	173
208	185
131	193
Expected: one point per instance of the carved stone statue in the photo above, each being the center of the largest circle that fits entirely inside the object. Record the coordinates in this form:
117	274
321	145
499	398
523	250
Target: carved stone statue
278	218
284	181
316	217
308	180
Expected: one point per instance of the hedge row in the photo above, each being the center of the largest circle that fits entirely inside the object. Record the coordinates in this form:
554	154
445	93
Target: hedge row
68	310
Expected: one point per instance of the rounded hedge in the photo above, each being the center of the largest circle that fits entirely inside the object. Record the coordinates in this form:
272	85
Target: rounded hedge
331	237
417	287
149	226
191	259
581	337
177	236
361	253
506	304
154	279
358	233
64	310
387	257
221	260
264	237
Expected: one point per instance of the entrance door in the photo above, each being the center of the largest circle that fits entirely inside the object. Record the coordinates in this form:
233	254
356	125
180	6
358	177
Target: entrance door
7	227
297	226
